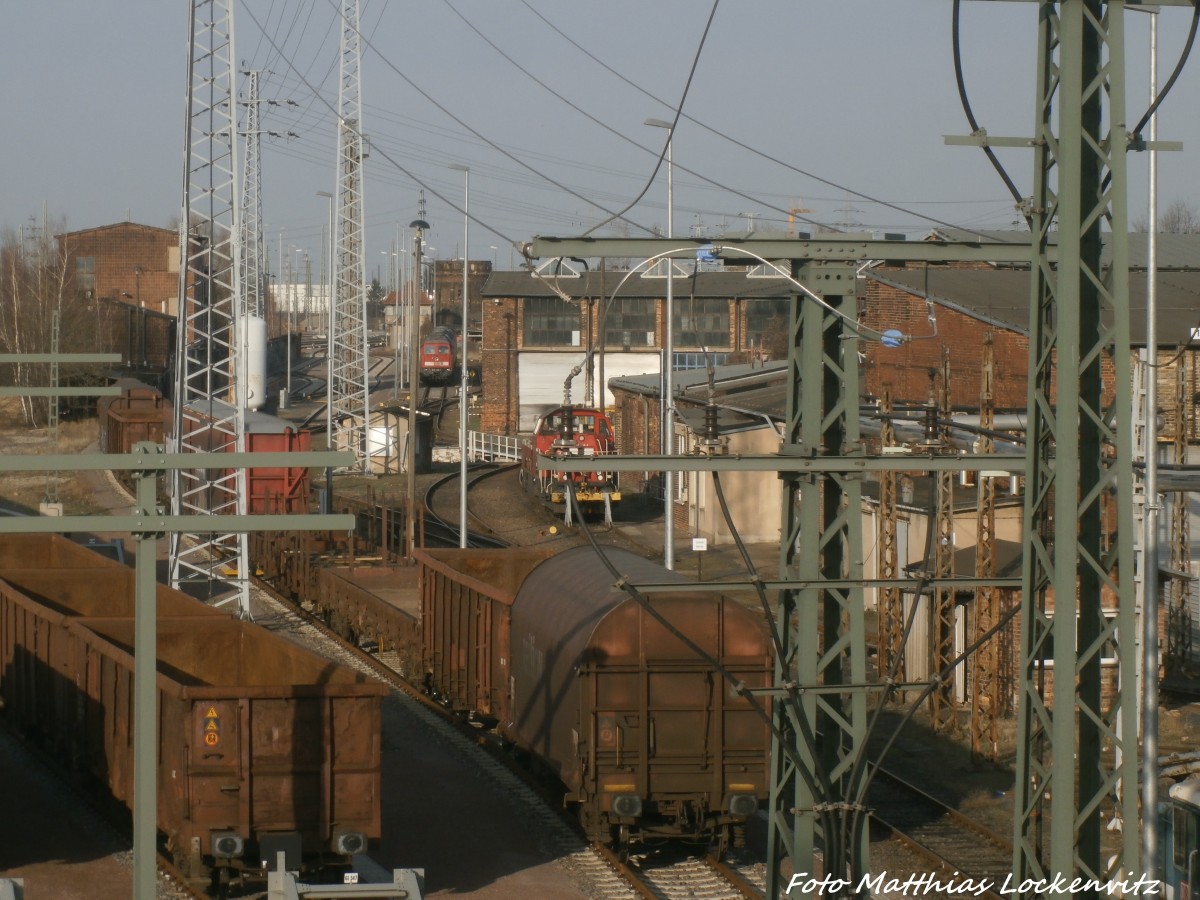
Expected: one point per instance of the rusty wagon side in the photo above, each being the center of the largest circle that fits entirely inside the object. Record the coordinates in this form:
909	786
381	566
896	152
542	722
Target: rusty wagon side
466	601
647	735
263	746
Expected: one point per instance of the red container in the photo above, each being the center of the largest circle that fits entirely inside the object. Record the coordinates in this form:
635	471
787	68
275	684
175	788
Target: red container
277	489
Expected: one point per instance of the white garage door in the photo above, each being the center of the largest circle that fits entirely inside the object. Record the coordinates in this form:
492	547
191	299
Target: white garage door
541	377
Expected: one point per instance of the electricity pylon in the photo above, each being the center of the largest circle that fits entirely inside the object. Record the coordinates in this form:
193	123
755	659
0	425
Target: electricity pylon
209	332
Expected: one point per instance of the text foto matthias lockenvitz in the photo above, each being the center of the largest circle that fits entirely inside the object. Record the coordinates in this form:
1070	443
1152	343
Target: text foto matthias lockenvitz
882	884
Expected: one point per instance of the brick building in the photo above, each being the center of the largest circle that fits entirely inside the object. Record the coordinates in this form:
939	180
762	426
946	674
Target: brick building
127	275
447	292
125	262
536	329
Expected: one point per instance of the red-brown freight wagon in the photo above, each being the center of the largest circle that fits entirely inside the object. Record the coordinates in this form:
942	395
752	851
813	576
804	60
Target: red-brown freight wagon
138	413
36	605
650	738
276	489
466	608
374	604
263	746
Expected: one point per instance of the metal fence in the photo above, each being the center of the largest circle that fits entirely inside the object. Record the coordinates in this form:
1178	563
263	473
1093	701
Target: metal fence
485	447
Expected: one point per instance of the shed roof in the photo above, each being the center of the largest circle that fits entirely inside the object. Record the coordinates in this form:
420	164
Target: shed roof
1000	297
120	225
728	285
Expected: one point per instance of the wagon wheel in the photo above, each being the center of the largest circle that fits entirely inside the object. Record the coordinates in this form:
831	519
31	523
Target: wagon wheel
219	883
622	847
722	842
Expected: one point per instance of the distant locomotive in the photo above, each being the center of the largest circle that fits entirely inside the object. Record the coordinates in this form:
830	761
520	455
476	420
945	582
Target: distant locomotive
440	358
571	431
1181	840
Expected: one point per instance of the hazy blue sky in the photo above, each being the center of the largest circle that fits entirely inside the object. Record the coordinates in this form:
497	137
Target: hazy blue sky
858	93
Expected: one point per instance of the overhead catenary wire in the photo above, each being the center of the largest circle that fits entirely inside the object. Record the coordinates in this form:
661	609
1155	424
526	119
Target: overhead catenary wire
418	180
539	173
674	122
743	145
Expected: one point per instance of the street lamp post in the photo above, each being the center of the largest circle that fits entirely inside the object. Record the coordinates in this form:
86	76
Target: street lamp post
291	326
462	363
668	410
419	226
329	358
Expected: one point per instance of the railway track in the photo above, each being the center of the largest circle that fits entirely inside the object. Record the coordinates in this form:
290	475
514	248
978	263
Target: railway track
676	875
951	842
443	531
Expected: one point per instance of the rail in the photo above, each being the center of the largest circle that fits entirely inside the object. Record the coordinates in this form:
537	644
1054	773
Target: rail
485	447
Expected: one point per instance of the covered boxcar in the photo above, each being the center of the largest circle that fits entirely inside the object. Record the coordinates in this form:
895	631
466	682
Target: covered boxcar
263	746
648	736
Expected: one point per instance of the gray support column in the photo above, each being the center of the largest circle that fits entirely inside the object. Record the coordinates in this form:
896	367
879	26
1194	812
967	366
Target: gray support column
821	625
1078	604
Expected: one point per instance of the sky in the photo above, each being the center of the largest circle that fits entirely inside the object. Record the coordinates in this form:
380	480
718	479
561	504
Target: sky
838	108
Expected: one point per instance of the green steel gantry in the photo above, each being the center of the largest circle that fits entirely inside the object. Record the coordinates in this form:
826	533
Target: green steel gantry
819	768
1077	752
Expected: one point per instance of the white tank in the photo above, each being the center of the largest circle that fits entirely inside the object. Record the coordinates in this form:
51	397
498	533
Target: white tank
256	364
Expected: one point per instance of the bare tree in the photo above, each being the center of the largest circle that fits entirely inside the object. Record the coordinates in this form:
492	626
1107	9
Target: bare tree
1179	218
34	284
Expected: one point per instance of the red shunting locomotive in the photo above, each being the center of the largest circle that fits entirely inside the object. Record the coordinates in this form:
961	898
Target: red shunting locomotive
565	432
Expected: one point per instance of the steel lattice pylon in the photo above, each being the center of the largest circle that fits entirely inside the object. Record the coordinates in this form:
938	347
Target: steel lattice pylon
985	664
1179	624
891	603
253	257
348	335
821	628
943	702
1077	749
208	415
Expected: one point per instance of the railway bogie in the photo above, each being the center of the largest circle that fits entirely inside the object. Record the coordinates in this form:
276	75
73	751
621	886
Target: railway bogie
262	745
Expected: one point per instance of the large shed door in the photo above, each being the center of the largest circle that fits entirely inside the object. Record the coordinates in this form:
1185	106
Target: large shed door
541	376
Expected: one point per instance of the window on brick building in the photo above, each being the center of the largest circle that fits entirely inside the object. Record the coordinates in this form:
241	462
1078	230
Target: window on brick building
764	318
629	322
85	273
701	322
551	322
